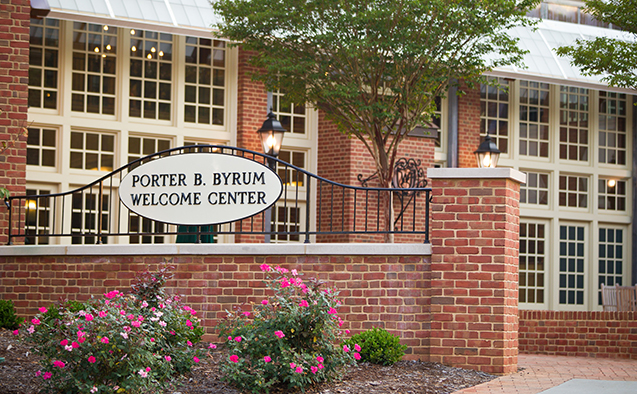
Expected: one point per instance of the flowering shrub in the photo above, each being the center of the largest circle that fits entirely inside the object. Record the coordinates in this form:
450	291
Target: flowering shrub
116	344
289	339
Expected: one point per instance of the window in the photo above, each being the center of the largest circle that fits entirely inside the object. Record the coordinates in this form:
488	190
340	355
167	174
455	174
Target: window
205	81
572	270
536	189
534	119
92	151
202	149
494	113
573	123
288	214
86	215
139	147
291	116
612	195
150	75
44	44
41	146
573	191
610	258
532	258
436	120
38	217
612	128
290	176
94	68
287	219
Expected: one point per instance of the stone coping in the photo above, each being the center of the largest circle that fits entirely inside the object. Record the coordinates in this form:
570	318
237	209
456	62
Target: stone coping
472	173
320	249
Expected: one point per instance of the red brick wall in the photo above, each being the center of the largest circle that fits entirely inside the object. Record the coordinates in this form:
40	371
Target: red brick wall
581	334
468	127
474	273
386	291
14	78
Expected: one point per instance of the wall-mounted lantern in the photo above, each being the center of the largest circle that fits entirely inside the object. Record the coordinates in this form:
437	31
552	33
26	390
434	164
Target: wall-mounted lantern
487	153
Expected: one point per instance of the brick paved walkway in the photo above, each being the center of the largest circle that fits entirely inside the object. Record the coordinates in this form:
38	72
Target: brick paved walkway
543	372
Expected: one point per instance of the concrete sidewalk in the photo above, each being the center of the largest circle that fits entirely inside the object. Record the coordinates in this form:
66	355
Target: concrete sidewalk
540	372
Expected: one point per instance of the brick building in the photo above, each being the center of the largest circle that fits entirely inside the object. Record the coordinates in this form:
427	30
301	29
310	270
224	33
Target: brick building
101	83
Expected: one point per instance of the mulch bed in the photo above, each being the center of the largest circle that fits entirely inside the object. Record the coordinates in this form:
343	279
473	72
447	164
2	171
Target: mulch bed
17	376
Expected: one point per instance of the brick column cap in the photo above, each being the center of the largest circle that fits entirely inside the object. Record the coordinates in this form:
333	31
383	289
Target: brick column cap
481	173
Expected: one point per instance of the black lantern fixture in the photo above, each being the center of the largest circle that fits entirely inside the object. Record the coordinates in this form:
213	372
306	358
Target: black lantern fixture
271	134
487	153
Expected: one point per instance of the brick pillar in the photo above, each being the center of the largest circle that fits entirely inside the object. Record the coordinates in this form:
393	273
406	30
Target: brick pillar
474	268
14	79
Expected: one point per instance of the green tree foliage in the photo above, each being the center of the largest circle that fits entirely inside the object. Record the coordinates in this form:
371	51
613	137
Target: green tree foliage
373	66
613	58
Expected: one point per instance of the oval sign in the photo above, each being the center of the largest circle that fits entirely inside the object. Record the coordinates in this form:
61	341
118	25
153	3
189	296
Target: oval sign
200	189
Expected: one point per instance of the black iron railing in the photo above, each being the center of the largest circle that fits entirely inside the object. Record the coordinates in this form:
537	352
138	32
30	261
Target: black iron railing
309	206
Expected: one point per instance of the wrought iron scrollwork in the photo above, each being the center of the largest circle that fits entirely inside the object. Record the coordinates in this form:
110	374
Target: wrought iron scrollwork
408	174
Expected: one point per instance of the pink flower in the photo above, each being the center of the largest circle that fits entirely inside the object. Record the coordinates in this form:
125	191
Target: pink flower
234	358
299	370
42	310
319	359
320	366
294	273
102	314
229	338
153	340
196	359
267	359
168	358
246	314
144	304
64	342
314	369
332	311
89	317
75	345
91	359
31	330
345	348
136	324
47	375
188	323
147	369
284	283
38	373
162	323
212	346
122	313
68	348
189	343
142	373
264	302
292	365
59	364
94	389
346	331
304	303
265	267
357	356
279	334
16	332
238	339
357	348
124	335
104	340
35	321
82	340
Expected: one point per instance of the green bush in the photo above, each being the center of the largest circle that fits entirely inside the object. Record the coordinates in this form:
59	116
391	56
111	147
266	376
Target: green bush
378	346
289	339
8	318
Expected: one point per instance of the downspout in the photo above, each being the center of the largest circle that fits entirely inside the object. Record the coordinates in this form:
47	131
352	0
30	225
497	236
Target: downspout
452	133
634	182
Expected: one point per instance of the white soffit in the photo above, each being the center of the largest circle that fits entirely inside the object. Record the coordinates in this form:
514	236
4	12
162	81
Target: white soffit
184	17
543	64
